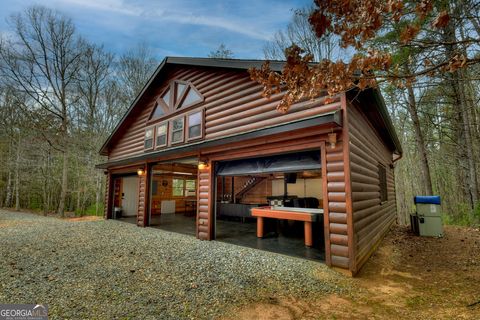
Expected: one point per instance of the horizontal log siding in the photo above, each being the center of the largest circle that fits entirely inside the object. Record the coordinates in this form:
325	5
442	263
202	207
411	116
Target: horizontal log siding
371	219
205	203
233	104
337	209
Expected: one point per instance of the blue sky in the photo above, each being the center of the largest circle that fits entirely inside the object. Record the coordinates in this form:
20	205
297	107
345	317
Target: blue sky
172	27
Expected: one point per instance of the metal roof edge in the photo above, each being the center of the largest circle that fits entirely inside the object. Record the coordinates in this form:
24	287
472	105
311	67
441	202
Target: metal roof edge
103	150
382	108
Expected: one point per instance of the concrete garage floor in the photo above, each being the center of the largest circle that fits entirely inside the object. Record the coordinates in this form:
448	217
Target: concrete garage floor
244	234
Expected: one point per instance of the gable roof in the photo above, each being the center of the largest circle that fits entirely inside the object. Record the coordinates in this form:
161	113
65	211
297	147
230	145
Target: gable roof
241	64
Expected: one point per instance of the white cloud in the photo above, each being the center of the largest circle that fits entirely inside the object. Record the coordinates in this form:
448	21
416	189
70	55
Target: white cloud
113	6
177	12
175	27
215	22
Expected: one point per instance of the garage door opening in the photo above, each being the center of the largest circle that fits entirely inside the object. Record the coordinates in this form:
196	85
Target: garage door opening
284	192
125	198
173	196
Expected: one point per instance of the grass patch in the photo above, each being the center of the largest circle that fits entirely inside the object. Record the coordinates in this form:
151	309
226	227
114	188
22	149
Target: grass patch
463	216
415	301
91	211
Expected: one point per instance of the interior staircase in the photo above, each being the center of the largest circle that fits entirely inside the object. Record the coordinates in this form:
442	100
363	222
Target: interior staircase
247	186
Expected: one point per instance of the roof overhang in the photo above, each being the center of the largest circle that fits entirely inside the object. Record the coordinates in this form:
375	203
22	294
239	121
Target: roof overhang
332	118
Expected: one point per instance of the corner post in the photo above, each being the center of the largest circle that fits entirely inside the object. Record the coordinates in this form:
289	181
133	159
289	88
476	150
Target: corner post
143	196
205	205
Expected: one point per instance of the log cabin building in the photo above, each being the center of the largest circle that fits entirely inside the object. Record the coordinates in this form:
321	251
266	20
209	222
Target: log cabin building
202	152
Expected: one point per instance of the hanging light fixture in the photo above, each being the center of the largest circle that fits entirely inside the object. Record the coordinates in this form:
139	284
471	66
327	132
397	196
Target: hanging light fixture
202	165
140	171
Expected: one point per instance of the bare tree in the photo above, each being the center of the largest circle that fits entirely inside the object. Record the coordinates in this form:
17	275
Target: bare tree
222	52
94	80
134	69
299	31
42	61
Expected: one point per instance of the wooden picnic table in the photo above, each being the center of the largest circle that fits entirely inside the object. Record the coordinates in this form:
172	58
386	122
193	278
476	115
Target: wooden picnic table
307	215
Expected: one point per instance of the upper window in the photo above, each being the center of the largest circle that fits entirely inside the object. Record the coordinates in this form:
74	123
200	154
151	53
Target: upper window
166	97
177	130
148	141
195	125
161	140
158	111
178	95
382	177
191	97
179	91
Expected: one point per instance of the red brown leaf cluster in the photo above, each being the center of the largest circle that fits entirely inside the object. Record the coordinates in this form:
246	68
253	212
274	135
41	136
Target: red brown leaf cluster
355	22
441	20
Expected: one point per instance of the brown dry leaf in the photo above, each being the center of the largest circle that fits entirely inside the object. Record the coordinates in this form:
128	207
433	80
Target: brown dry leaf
320	22
409	33
423	8
329	100
441	20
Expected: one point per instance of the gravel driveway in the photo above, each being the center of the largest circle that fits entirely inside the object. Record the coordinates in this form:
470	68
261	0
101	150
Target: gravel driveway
114	270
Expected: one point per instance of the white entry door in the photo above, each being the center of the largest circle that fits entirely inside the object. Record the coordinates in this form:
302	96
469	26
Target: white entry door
130	196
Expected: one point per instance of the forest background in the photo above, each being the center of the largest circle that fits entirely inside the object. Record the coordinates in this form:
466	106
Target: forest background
61	96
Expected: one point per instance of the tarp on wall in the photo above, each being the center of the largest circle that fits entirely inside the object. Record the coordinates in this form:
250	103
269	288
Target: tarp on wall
290	162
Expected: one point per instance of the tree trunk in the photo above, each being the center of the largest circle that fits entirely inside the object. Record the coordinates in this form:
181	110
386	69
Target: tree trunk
17	178
459	93
46	195
9	196
456	80
98	193
63	191
419	138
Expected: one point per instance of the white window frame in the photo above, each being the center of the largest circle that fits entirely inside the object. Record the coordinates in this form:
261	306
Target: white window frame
187	126
153	138
172	131
166	134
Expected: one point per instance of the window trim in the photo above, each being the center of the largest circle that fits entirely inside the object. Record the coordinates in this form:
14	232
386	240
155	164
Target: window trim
171	131
180	99
153	137
158	104
190	87
173	112
170	100
165	123
382	182
202	124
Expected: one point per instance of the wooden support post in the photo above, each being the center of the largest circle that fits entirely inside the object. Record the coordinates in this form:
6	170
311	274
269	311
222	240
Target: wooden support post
308	233
260	227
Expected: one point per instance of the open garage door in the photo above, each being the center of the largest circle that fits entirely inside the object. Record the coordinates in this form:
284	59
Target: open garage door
290	162
289	186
